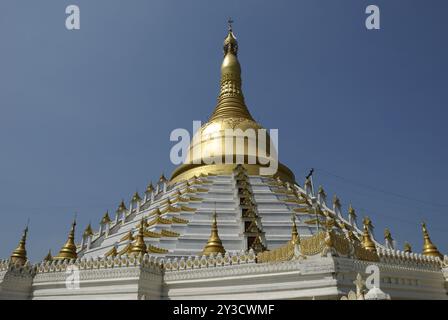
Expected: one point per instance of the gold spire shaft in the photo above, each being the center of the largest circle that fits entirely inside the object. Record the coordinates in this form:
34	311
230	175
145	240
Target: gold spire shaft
429	249
68	251
231	99
214	243
18	256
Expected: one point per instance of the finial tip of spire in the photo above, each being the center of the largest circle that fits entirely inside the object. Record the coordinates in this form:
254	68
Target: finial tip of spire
229	23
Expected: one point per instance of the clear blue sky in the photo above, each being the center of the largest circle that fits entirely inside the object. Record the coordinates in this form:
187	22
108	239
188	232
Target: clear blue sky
85	116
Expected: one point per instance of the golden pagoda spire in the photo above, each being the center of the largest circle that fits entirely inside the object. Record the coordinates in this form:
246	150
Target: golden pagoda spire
139	247
18	256
295	239
230	113
214	243
429	249
231	100
68	250
367	242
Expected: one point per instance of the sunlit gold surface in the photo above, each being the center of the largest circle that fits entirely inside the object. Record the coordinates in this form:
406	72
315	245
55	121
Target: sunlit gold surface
68	251
214	243
139	246
230	113
18	256
429	249
367	242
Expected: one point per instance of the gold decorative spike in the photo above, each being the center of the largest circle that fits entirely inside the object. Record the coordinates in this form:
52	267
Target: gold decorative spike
68	251
295	239
407	247
88	231
367	242
429	249
150	188
18	256
121	207
136	197
139	246
106	218
214	243
48	257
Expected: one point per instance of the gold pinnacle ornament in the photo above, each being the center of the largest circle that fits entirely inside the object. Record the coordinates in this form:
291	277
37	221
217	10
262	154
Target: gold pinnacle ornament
230	113
214	244
367	242
139	247
18	256
68	251
429	249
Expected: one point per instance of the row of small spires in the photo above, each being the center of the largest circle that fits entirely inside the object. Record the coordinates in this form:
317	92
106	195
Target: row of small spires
69	249
428	247
214	244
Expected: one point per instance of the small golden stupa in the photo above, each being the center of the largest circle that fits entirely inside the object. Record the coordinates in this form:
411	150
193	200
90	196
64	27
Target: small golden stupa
68	251
18	256
429	249
214	243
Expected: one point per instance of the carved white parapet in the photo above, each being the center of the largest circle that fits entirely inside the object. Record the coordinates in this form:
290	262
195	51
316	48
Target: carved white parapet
145	261
211	261
408	258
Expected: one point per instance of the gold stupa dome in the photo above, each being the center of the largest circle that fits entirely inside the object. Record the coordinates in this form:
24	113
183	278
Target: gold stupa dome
207	152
